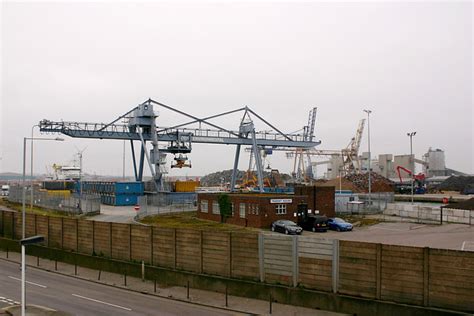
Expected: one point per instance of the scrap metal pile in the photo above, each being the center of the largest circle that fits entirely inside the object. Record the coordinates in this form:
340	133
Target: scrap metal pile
359	183
378	182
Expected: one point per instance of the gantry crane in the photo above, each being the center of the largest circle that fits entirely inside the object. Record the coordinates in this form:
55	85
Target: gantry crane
139	124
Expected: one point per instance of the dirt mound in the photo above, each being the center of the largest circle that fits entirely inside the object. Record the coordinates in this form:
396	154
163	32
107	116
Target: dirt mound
464	205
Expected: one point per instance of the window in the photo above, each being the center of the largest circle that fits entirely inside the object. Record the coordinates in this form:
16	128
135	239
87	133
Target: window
281	209
215	208
242	210
256	209
204	206
232	209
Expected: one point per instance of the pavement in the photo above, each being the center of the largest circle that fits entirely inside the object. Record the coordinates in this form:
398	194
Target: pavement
84	294
116	214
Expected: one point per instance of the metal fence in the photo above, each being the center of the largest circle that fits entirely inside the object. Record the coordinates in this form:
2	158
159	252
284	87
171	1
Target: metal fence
356	203
163	203
89	204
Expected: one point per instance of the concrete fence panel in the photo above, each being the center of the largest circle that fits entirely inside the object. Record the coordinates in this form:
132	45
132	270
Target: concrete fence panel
244	255
102	238
55	232
85	236
70	234
402	274
141	243
216	253
278	259
164	247
17	222
315	257
42	227
451	279
121	241
30	228
358	268
189	250
8	225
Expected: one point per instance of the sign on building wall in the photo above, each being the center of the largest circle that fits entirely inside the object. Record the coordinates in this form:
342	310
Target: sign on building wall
281	201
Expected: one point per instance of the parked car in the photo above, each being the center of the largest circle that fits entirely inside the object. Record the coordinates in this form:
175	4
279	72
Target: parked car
286	226
315	223
339	224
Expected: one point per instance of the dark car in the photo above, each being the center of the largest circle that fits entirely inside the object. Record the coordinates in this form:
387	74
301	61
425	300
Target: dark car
339	224
286	226
315	223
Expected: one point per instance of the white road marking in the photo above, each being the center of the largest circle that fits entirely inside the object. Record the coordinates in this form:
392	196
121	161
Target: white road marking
417	227
97	301
394	229
466	243
8	301
32	283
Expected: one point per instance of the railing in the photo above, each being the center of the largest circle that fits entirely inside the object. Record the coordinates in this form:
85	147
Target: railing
62	202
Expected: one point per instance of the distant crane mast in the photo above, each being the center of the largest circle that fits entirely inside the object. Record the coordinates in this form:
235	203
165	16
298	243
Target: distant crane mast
302	170
349	155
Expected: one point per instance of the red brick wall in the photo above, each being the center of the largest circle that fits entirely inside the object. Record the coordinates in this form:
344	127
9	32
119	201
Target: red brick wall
319	198
267	213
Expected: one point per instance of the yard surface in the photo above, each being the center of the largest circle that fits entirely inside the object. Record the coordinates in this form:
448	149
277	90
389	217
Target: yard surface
190	220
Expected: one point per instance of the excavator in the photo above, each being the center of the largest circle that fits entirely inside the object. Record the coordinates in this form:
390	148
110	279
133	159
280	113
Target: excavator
418	178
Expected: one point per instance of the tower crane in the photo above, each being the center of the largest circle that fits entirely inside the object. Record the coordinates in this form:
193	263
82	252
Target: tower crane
139	124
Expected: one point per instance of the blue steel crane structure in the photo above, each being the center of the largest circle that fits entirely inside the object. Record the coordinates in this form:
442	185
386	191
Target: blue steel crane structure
139	124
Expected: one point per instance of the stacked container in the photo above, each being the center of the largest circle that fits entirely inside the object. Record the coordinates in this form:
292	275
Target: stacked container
113	193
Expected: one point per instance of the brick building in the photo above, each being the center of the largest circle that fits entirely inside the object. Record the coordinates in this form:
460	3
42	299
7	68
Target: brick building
319	197
252	209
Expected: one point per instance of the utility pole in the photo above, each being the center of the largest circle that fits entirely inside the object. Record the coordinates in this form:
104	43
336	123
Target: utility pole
368	135
411	134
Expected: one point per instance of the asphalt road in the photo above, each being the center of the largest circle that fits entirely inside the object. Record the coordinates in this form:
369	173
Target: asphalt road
80	297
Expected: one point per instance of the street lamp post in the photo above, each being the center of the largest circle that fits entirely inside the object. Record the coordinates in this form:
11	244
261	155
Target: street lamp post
368	136
411	134
23	219
23	243
31	167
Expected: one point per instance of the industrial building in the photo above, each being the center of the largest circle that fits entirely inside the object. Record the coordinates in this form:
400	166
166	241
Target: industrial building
252	209
433	165
261	210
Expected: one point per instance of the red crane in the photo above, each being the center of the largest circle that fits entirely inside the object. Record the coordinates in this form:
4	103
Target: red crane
419	178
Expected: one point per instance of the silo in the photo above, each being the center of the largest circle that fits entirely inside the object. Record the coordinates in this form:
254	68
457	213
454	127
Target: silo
436	162
386	165
334	166
405	161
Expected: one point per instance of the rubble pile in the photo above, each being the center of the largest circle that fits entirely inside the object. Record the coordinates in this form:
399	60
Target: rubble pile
223	177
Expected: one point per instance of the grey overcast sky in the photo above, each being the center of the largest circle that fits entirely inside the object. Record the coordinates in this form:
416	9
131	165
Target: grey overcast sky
409	62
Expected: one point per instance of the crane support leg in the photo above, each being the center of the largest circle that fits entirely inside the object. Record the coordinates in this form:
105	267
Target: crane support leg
234	171
134	160
142	160
157	180
258	161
